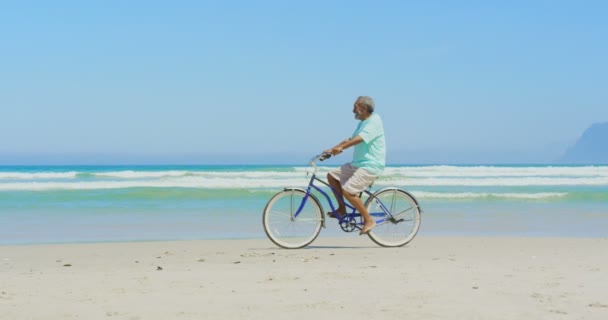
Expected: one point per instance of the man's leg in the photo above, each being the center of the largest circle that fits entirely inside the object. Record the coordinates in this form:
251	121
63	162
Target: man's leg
368	222
357	183
337	190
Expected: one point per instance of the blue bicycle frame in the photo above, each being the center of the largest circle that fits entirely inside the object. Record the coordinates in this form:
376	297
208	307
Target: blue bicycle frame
385	214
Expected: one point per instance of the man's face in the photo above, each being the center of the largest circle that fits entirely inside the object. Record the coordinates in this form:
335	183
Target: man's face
357	110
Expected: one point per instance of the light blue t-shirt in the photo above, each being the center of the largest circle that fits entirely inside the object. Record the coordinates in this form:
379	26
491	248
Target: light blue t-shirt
371	153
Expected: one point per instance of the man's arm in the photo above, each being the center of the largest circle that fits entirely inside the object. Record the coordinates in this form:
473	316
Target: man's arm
345	145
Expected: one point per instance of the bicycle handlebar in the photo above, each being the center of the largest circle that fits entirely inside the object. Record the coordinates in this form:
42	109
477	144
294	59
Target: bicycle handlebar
324	156
319	157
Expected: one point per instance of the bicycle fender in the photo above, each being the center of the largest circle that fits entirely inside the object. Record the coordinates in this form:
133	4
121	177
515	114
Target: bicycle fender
314	198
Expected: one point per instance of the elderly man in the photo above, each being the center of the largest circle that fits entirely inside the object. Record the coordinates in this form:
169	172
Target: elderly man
368	160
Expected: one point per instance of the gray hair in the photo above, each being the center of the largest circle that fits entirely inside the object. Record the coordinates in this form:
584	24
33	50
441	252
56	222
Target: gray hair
368	102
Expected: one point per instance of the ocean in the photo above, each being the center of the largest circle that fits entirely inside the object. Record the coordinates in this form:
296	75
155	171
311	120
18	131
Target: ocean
66	204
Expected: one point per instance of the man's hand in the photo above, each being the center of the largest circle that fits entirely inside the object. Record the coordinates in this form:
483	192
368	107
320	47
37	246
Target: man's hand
334	151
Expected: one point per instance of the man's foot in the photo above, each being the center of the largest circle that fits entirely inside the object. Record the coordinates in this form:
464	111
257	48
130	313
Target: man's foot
331	214
367	228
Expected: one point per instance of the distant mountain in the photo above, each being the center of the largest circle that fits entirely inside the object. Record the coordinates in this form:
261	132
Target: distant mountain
591	147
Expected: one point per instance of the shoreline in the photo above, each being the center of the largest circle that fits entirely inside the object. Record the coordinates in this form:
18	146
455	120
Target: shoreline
433	277
336	235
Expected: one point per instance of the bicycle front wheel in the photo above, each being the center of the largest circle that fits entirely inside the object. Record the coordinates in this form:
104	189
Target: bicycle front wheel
286	226
397	215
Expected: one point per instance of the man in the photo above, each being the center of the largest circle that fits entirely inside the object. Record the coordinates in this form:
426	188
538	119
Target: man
368	161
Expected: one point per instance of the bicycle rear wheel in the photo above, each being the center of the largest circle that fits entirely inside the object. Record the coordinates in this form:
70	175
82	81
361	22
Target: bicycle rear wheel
284	228
399	216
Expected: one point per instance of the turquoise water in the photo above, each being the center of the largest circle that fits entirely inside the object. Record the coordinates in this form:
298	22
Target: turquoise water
130	203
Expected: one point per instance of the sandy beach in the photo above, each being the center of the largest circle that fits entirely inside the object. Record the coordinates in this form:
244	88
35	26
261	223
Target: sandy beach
335	278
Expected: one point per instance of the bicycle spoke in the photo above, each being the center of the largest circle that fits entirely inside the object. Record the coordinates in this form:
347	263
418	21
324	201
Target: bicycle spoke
394	231
288	231
404	211
281	214
308	220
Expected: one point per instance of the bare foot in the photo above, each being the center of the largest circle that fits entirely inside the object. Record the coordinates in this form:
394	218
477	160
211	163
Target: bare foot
367	227
340	214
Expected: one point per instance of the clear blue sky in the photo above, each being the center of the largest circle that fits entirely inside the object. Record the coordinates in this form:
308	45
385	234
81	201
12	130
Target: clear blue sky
274	81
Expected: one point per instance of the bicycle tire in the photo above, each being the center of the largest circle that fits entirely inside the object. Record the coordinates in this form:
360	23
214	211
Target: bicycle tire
401	223
287	231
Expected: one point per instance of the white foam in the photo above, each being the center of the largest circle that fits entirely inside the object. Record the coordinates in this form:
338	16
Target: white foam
130	174
477	195
168	183
37	175
249	183
404	177
499	182
164	174
489	171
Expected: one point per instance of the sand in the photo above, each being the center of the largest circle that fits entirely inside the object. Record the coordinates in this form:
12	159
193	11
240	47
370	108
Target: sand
335	278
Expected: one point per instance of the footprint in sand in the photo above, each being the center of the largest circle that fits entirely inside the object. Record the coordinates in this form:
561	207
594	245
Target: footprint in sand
598	305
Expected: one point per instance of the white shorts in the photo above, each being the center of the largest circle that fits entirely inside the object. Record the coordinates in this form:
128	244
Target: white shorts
353	180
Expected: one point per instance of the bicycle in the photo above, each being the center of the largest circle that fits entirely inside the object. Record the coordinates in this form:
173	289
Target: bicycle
293	217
